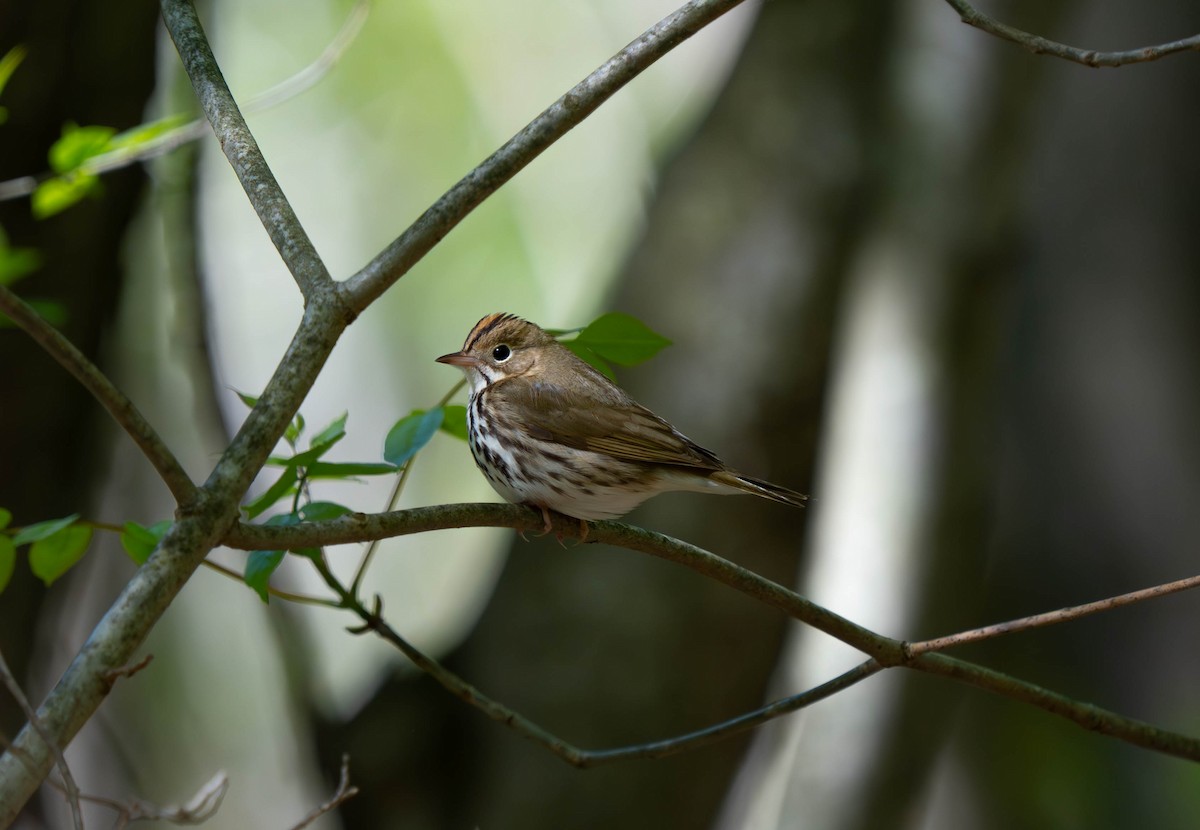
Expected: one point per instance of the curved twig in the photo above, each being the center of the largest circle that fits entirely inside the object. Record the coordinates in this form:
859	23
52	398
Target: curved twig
1088	57
103	390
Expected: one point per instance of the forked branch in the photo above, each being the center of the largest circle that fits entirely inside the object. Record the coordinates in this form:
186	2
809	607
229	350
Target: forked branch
884	652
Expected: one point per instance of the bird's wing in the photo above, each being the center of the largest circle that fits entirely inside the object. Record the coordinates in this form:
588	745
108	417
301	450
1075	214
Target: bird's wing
614	425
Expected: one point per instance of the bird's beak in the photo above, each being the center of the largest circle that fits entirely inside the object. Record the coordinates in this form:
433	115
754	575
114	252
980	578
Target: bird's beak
458	359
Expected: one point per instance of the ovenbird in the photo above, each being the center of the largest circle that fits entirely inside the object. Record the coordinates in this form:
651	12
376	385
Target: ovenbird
551	432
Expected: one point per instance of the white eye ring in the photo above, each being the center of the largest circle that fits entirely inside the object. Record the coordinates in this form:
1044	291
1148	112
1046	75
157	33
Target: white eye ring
501	353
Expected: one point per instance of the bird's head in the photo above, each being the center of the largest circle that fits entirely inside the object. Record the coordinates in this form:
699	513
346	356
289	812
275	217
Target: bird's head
501	346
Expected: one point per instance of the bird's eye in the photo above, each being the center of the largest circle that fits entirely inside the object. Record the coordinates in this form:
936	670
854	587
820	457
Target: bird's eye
501	353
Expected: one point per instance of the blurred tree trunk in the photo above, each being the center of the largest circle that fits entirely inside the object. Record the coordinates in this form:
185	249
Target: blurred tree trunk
88	65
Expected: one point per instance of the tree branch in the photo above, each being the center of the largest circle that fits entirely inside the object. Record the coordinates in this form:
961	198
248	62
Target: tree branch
1088	57
883	651
271	205
122	410
565	113
360	527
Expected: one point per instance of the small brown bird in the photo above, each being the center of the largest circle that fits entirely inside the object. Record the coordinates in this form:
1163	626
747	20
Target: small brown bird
551	432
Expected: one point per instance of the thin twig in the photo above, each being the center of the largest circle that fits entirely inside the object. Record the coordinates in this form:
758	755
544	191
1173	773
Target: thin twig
1072	612
122	410
245	157
560	117
1088	57
198	809
373	620
172	139
71	790
300	599
394	498
344	792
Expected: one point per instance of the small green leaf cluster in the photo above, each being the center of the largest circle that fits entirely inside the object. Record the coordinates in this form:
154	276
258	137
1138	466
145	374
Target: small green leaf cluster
54	546
404	440
76	147
57	545
613	338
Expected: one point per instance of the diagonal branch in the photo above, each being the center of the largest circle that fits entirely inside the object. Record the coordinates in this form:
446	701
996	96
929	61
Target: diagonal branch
568	111
103	390
1073	612
272	207
1088	57
359	527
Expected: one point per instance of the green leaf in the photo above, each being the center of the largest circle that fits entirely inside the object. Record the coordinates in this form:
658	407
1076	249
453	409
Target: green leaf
16	262
454	421
283	520
41	530
77	145
294	430
320	444
259	567
8	558
9	63
591	358
350	469
410	433
621	338
282	487
322	511
333	433
5	518
56	195
52	556
140	541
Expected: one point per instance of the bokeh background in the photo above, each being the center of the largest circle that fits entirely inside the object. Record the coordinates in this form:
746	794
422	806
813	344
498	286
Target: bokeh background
948	287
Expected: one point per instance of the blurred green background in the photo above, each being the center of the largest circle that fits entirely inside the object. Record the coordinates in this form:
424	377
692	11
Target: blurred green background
946	286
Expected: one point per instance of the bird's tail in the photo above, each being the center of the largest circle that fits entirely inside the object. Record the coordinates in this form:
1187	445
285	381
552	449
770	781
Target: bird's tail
758	487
